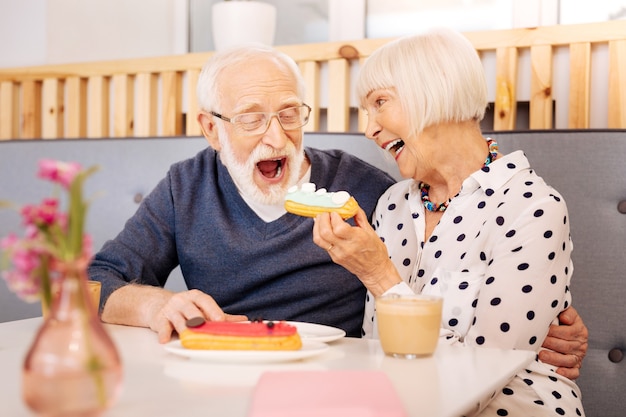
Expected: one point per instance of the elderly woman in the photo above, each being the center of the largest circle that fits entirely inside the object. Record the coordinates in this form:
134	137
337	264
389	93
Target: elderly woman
471	224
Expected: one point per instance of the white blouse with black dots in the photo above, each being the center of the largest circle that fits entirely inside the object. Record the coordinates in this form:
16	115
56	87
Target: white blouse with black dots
500	257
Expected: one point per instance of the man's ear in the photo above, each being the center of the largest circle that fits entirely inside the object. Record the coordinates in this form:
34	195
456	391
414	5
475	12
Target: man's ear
209	130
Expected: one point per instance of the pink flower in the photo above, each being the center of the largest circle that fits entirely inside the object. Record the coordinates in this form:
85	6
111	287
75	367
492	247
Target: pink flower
62	173
52	237
8	241
23	279
24	286
25	260
43	215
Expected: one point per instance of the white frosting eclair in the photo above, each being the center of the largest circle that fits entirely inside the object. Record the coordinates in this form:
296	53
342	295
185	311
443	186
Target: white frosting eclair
309	202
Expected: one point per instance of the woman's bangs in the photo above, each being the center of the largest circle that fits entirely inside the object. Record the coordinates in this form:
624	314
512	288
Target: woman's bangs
374	75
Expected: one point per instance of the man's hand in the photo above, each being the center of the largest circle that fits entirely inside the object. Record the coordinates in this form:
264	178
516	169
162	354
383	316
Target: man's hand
568	341
161	310
174	313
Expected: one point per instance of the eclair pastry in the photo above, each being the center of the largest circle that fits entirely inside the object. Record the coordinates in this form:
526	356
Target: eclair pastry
213	335
308	202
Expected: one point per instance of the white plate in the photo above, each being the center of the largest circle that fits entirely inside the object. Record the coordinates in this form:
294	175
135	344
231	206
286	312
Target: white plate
317	332
309	348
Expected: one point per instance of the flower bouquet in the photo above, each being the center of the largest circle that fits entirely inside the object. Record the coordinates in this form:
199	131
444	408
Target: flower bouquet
52	240
72	368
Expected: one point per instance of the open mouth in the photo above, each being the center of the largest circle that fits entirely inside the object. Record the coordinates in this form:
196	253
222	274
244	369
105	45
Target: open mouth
271	168
395	147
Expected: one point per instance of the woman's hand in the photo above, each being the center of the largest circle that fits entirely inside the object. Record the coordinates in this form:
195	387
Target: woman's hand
568	342
358	249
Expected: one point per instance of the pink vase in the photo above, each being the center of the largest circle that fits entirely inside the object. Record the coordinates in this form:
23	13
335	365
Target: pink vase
72	368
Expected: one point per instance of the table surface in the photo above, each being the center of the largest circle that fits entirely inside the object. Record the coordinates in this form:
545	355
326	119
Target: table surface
159	383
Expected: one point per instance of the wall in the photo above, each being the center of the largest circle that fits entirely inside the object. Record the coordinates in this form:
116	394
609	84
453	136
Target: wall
22	30
61	31
37	32
297	22
58	31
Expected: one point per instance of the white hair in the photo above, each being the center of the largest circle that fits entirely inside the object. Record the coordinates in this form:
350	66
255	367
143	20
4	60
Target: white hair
437	75
208	89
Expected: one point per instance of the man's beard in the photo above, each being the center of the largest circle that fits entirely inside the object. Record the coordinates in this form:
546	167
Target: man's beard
243	173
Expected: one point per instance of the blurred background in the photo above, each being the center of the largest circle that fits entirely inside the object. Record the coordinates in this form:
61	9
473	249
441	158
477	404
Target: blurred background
39	32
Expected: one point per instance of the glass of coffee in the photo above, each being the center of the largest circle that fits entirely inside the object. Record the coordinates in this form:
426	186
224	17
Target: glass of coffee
408	325
94	289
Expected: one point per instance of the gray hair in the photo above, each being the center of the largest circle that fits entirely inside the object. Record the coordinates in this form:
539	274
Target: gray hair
208	89
437	75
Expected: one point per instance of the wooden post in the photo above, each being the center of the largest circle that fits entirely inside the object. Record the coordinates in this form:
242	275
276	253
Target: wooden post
579	85
311	73
31	109
9	117
147	105
76	108
505	109
617	85
123	105
172	114
98	107
541	114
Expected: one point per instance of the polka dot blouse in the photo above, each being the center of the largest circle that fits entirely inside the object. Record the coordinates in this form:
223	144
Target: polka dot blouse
500	257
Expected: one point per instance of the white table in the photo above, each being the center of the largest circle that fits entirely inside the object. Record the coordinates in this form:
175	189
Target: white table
158	383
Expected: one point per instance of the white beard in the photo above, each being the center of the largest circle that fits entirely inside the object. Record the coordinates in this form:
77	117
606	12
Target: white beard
243	173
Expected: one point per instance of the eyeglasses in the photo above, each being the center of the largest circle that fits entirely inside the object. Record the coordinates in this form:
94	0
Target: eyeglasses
257	123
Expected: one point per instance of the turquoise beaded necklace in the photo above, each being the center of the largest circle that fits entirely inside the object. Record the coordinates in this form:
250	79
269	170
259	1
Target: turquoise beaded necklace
430	206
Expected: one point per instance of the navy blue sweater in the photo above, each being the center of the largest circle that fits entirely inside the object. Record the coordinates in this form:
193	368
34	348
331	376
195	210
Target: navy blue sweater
195	218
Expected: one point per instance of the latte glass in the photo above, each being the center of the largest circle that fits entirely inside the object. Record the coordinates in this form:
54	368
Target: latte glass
94	288
408	325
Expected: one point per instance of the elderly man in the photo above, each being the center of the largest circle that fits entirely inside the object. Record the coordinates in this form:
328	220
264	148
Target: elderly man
220	216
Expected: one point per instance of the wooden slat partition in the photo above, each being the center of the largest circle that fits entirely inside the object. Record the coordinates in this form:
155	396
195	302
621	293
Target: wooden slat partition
506	88
541	114
124	96
311	73
617	84
31	109
171	104
9	105
339	95
146	121
192	127
98	106
156	96
580	81
76	107
53	110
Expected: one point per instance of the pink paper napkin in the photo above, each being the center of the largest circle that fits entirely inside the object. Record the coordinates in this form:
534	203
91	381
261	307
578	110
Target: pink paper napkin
325	393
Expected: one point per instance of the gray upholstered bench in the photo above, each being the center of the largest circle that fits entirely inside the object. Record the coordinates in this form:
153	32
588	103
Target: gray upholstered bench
587	167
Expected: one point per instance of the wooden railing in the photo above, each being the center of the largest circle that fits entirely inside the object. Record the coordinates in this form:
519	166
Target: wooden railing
156	96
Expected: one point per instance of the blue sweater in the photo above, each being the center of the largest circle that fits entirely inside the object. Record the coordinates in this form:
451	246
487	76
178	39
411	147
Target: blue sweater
196	218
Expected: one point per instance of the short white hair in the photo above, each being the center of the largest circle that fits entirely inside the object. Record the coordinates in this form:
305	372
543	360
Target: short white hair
208	89
437	75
